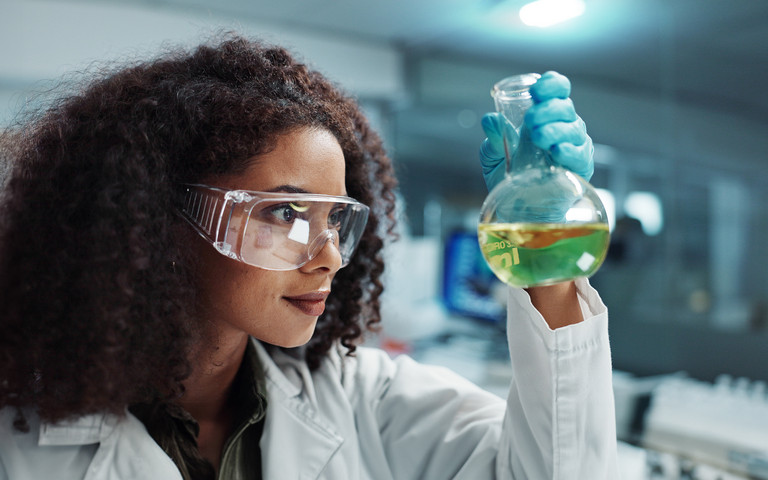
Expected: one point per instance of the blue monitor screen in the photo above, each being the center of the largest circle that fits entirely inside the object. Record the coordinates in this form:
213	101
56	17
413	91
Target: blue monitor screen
468	283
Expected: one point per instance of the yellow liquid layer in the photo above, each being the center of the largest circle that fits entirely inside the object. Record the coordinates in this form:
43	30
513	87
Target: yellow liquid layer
528	254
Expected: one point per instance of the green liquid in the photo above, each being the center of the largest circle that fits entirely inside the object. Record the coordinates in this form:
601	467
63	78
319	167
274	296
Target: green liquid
528	254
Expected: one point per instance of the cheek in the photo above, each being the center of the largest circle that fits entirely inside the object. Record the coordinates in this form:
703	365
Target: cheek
225	285
236	288
252	294
234	298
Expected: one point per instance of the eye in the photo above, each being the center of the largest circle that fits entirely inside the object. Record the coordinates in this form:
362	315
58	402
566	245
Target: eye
287	212
335	217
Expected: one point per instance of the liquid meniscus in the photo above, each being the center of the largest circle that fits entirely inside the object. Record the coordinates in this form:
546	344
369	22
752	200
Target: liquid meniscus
528	254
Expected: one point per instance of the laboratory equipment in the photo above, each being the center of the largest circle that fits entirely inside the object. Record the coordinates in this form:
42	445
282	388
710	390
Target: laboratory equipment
542	224
724	424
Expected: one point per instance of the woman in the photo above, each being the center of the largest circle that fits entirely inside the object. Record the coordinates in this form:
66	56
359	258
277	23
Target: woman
160	322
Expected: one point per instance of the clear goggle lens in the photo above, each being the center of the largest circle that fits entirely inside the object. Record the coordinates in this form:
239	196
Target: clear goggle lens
274	231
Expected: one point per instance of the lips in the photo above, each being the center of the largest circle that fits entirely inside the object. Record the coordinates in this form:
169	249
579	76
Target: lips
312	304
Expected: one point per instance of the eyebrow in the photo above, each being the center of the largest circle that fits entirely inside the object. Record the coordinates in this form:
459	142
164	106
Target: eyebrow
287	189
292	189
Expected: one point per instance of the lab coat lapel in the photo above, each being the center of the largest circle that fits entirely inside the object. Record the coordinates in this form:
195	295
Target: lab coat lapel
297	443
294	444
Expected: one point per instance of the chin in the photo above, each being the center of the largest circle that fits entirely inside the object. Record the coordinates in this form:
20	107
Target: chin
299	339
294	344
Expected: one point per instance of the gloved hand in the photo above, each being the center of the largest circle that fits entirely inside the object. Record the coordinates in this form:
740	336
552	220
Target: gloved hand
554	126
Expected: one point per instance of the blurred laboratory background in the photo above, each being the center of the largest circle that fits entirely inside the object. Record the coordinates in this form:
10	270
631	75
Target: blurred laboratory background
674	95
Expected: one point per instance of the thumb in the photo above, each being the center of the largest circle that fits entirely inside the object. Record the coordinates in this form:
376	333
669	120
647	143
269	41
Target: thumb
492	149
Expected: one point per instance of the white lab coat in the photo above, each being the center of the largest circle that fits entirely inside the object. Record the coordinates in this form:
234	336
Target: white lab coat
370	417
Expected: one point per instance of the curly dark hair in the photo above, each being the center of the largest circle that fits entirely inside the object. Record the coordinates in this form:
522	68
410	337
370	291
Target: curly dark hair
94	315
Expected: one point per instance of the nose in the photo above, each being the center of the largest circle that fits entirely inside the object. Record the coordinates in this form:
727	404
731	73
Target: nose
324	253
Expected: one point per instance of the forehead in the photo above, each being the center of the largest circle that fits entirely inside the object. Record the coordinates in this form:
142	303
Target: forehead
308	159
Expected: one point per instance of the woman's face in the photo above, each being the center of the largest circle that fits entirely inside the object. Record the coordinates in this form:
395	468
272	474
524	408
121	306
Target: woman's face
277	307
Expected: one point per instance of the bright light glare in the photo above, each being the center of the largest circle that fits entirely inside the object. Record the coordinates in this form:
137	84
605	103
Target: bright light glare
545	13
579	215
646	207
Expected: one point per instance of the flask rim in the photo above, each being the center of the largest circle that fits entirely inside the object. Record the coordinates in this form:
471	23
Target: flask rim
514	87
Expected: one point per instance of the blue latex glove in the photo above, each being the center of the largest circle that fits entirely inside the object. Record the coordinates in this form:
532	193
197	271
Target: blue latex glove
554	126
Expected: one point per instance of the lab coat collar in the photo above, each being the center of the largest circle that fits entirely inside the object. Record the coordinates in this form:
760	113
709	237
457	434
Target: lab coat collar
83	430
274	374
126	451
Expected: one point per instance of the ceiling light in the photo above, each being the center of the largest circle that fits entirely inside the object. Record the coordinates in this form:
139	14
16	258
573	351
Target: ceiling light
545	13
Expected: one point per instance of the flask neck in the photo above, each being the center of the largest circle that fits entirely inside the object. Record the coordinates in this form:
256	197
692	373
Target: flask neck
525	154
512	98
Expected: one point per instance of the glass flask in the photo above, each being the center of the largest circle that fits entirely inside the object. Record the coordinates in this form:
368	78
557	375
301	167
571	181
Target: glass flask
542	224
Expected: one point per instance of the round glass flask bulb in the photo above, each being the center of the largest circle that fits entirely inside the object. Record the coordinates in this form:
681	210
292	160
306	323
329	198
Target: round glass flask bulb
542	224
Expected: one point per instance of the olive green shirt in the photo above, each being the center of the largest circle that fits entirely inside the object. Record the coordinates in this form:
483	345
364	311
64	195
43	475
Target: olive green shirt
174	429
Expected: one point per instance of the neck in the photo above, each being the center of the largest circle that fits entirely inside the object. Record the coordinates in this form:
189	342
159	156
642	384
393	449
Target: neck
207	395
207	390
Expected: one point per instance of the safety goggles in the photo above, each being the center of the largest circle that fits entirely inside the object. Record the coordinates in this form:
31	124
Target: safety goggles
273	231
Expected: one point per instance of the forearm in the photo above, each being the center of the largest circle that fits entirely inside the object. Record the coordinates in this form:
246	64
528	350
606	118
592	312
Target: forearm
558	304
560	421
